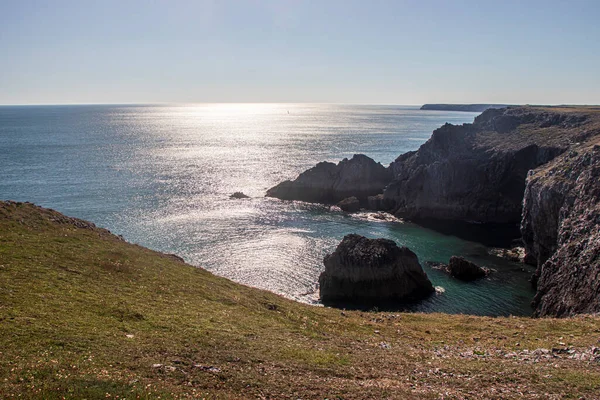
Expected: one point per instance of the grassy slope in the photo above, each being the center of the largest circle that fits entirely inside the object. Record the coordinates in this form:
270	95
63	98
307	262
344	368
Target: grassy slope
85	314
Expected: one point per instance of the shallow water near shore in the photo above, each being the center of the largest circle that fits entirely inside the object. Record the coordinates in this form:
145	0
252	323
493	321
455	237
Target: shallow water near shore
161	176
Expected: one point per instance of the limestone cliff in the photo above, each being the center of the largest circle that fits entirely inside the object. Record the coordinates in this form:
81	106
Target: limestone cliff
476	172
561	231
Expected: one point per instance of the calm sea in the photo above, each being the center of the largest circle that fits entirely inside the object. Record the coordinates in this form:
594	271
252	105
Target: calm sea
161	176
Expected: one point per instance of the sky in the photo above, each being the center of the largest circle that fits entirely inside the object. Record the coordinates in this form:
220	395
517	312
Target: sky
320	51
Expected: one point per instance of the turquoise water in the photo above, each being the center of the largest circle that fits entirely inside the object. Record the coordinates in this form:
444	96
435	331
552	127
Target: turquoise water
161	176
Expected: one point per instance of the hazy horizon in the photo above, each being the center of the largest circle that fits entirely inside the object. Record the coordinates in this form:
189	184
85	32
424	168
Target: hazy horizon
334	52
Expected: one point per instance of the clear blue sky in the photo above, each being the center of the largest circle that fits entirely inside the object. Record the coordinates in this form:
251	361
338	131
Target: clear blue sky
390	52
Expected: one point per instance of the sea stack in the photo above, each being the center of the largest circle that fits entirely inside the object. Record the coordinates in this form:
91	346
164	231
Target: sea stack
366	272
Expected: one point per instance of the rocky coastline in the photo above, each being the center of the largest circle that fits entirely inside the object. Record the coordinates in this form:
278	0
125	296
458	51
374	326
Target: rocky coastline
533	167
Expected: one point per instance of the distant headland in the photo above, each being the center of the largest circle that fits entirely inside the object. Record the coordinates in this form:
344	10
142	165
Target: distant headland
462	107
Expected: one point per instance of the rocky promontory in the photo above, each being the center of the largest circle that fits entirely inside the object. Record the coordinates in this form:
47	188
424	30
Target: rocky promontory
330	183
367	272
476	172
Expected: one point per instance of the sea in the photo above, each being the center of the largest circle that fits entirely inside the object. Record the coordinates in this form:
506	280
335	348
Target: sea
162	175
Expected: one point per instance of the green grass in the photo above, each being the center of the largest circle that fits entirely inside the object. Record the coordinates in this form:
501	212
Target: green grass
84	314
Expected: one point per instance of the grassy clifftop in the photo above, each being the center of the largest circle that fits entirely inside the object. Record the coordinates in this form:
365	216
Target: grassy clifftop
84	314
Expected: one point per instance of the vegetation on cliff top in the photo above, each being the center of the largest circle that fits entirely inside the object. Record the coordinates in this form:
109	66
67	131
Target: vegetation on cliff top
84	314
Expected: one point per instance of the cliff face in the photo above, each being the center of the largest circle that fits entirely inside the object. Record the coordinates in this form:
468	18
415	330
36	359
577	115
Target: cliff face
561	231
476	172
329	183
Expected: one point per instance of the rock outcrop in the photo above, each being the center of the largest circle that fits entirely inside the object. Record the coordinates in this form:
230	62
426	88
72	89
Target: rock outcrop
239	195
350	204
476	172
465	270
368	272
330	183
561	231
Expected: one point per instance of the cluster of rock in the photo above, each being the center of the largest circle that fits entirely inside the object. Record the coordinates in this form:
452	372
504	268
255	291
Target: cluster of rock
533	166
371	272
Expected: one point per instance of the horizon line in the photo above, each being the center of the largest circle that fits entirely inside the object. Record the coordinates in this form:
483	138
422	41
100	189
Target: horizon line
288	102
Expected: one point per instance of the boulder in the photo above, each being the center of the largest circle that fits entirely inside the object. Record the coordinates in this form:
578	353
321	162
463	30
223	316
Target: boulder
349	204
239	195
366	272
330	183
465	270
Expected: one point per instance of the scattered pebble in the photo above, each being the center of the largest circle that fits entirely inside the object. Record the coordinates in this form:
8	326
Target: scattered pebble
208	368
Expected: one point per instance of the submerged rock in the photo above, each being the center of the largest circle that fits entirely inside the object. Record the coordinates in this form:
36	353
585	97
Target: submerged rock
239	195
437	265
465	270
367	272
350	204
330	183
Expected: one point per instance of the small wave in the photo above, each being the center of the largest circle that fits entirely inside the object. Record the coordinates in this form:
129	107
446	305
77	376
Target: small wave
439	290
379	216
